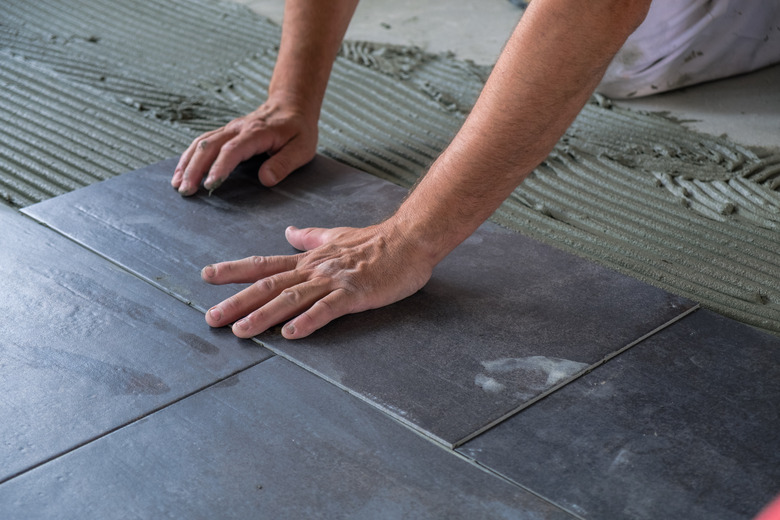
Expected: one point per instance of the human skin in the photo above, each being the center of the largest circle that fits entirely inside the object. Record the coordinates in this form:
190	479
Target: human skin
551	64
771	511
285	125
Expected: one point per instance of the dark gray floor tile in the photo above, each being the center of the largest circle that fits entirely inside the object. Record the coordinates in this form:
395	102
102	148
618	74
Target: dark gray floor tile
683	425
271	442
140	222
504	319
86	347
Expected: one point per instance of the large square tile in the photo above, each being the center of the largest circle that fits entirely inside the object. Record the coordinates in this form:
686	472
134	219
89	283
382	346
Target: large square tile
138	221
683	425
271	442
86	347
504	320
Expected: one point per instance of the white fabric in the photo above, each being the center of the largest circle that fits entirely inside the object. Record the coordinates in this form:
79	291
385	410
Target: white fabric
683	42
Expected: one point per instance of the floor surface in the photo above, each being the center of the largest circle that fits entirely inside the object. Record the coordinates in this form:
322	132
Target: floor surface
515	398
576	393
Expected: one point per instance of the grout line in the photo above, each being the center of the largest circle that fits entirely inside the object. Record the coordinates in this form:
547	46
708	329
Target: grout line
584	372
416	430
129	423
512	482
116	264
154	410
383	409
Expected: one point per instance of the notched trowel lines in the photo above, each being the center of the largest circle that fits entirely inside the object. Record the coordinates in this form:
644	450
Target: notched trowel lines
693	214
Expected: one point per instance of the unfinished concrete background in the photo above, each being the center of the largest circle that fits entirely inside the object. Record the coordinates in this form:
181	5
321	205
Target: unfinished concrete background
746	108
119	398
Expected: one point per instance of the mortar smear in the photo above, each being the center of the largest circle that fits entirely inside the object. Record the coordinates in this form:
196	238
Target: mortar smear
93	88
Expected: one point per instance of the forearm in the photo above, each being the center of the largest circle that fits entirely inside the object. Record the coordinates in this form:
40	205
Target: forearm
546	73
550	66
312	32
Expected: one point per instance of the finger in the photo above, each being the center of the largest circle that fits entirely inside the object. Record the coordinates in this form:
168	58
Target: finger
184	160
286	304
186	157
308	238
240	148
205	151
247	270
178	172
251	299
322	312
281	164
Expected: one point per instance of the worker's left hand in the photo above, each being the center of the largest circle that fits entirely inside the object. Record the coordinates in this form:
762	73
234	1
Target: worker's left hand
341	271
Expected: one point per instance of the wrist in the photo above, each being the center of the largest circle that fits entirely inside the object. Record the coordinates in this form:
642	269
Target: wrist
293	102
428	234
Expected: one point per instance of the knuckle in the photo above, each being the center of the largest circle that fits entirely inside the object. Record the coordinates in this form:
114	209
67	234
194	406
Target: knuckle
329	267
203	144
257	317
305	322
280	163
231	303
327	306
257	261
256	126
350	287
291	296
254	320
230	147
266	285
235	125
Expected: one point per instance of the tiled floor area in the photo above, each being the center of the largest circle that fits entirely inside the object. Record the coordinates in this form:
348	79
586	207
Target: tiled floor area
428	361
118	397
520	383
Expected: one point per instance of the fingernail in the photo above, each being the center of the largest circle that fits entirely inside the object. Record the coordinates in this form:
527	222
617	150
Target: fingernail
289	329
215	313
208	272
241	324
213	184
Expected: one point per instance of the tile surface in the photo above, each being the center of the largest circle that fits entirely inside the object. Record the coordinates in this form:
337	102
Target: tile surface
275	441
138	221
504	319
86	347
683	425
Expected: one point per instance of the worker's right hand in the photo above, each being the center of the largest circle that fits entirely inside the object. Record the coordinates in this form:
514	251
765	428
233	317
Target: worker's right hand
278	127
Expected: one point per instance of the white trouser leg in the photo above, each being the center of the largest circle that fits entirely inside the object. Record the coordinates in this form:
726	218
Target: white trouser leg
683	42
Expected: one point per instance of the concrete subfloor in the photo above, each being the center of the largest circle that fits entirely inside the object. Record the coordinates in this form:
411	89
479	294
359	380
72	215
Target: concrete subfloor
745	108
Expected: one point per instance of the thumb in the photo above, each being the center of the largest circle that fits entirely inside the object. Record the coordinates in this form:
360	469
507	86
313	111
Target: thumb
280	165
308	238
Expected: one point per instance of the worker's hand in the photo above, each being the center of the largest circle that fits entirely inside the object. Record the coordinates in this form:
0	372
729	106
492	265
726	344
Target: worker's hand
342	271
278	127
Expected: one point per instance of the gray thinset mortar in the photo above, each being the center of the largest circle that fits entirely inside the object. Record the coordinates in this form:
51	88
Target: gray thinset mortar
93	88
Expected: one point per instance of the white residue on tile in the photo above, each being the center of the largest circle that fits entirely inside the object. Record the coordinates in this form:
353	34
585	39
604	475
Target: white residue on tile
535	373
488	384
